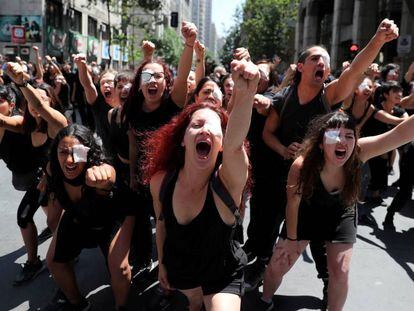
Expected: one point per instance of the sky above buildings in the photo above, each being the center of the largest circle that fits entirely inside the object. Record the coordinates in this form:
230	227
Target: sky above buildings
223	11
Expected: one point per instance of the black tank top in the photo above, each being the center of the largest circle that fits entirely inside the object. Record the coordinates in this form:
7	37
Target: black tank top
118	136
202	249
20	156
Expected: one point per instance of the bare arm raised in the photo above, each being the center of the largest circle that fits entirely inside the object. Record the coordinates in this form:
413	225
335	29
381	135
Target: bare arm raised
234	168
179	92
340	88
56	121
86	79
376	145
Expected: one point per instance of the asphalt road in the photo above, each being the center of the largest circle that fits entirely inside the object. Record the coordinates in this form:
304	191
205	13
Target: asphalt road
382	269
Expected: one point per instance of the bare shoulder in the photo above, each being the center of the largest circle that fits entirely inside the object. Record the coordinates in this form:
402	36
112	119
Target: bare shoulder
156	182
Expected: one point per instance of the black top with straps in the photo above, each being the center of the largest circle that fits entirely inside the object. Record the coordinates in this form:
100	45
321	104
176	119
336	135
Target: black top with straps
18	153
203	250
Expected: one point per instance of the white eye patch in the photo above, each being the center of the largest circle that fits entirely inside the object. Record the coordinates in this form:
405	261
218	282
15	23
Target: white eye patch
326	59
332	137
362	86
231	83
214	128
80	153
217	94
146	76
392	72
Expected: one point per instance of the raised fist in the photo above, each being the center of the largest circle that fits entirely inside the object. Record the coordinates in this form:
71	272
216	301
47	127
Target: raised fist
199	49
148	47
16	73
241	53
387	31
245	75
189	32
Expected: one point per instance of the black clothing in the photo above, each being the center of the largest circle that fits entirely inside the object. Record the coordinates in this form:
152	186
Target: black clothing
100	111
325	218
406	181
379	165
294	117
359	120
118	136
91	222
202	252
20	156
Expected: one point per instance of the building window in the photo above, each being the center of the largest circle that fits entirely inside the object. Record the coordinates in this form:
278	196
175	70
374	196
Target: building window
76	21
54	13
105	31
92	27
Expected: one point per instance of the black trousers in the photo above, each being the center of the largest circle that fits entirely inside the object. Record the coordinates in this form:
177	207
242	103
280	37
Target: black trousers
406	180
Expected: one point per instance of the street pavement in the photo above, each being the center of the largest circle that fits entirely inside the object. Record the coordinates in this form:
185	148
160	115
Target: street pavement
381	277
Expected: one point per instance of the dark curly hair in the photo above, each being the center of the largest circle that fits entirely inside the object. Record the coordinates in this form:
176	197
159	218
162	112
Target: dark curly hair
87	138
313	158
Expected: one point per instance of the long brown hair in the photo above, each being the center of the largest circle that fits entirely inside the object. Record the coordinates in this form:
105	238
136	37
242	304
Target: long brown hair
313	157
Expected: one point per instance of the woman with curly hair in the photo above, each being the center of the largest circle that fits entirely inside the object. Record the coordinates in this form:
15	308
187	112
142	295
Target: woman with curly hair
81	182
322	192
151	103
197	166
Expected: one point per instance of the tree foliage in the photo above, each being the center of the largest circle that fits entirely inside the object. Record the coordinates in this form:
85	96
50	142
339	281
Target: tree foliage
169	47
266	28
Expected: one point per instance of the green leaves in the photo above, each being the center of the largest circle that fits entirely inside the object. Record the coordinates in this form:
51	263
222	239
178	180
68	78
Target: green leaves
263	28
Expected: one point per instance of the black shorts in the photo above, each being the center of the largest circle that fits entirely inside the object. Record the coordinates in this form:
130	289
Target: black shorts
333	228
72	237
231	284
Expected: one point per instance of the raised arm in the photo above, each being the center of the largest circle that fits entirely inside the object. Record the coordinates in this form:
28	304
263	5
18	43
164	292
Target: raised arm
148	49
38	64
234	169
340	88
376	145
56	121
53	64
179	92
200	71
14	123
408	101
86	79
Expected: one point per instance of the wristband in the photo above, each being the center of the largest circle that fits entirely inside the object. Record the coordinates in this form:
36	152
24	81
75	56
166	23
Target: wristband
190	46
290	239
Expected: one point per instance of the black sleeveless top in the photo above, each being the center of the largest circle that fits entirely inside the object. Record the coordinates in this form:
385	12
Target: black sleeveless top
93	210
201	251
18	153
118	133
358	120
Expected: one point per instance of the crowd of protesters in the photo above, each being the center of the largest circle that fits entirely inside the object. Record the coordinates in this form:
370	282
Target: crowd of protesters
104	152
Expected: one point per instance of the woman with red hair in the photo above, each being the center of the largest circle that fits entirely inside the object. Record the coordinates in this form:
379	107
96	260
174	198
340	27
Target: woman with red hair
151	103
196	196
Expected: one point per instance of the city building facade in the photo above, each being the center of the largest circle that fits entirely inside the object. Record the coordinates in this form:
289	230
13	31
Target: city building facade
60	28
339	24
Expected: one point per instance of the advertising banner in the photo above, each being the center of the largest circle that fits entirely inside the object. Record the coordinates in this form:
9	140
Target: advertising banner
6	23
31	23
78	43
56	41
93	48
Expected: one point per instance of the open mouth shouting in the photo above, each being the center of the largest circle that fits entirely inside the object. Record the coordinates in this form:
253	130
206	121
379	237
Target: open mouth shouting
319	74
152	90
203	148
107	94
340	153
71	170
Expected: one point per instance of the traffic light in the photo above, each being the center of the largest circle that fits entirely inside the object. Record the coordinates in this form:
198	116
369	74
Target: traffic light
353	50
174	19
